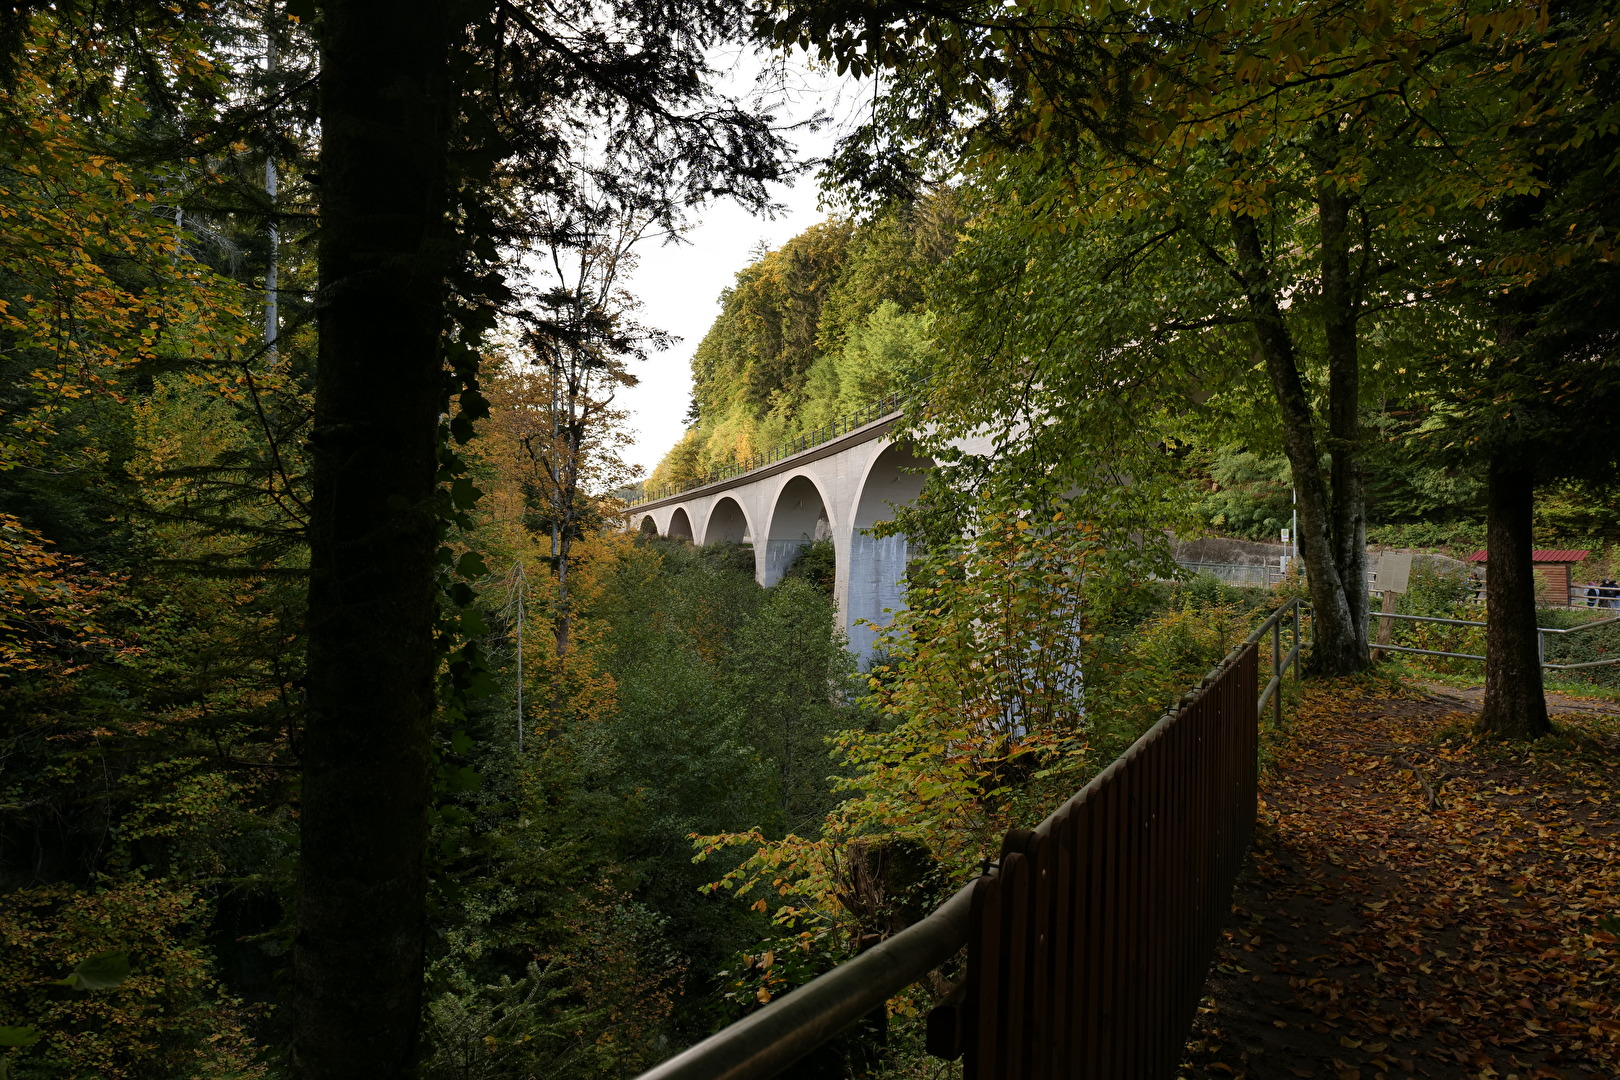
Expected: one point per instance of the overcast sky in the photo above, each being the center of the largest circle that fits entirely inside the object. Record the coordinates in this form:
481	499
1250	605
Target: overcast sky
680	285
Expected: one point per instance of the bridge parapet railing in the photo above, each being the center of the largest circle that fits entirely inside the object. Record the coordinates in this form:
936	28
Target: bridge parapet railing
843	425
1089	940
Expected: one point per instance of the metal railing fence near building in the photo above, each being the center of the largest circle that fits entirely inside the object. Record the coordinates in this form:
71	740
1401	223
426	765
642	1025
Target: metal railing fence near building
1594	594
1541	639
1089	940
1249	574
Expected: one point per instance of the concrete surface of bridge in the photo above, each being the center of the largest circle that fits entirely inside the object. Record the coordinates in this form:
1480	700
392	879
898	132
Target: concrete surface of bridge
837	489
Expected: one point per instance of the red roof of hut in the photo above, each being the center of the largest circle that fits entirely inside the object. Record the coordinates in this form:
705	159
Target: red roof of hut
1544	555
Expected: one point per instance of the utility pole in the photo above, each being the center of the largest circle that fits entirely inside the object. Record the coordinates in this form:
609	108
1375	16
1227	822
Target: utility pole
557	475
272	315
519	587
515	608
1294	532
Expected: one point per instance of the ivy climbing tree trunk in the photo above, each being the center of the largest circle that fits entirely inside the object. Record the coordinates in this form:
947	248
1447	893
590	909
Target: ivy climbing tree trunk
1336	648
1515	704
380	389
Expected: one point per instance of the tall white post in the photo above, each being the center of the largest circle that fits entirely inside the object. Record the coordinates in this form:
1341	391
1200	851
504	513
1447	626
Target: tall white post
272	317
520	590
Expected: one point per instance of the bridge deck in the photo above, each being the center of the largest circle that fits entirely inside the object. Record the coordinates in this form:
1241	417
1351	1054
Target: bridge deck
876	429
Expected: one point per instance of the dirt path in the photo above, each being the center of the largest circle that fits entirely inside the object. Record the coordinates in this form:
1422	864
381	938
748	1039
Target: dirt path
1419	906
1471	698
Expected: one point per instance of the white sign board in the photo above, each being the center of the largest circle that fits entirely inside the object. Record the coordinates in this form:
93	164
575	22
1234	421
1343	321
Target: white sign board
1394	571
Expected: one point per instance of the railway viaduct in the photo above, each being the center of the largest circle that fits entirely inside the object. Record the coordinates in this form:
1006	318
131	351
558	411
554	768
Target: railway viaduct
839	488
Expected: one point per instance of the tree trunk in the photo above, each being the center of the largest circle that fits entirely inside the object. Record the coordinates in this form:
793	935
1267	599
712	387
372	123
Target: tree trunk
1336	648
380	387
1515	705
1339	331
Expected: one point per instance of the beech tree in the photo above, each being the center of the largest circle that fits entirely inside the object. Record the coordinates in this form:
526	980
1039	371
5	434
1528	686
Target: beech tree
1538	401
579	335
1541	405
1203	125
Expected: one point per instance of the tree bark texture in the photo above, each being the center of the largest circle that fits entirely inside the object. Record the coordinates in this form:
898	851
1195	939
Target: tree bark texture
380	387
1339	302
1336	648
1515	703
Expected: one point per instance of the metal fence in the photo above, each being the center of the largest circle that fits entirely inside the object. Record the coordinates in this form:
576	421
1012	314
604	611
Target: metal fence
1087	952
1541	639
1251	574
1593	594
1089	940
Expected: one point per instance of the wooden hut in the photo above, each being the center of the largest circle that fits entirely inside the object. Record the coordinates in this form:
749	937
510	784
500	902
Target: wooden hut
1552	568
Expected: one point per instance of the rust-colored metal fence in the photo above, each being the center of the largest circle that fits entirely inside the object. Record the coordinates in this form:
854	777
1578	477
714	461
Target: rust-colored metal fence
1089	940
1087	950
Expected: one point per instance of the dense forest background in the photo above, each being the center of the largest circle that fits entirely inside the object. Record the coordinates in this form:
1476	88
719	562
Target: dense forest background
630	794
815	331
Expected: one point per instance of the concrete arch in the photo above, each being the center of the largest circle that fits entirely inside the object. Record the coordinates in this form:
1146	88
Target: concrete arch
877	564
799	514
894	478
649	527
680	526
728	523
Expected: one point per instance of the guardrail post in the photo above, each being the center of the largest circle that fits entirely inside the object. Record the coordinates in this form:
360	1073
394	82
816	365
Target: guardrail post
1299	650
1276	671
1385	626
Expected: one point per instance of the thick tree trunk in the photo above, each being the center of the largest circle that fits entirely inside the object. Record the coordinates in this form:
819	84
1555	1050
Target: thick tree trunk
1336	649
357	961
1339	302
1515	704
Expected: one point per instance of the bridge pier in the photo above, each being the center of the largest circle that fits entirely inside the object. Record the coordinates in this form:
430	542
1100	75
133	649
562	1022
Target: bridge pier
838	489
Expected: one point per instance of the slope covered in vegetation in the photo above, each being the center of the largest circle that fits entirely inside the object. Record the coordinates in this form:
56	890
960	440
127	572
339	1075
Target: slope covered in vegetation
831	321
342	729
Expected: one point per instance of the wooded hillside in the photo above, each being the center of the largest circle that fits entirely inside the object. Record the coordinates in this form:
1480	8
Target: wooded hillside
831	321
345	730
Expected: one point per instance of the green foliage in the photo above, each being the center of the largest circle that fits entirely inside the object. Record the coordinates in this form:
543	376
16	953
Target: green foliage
143	999
1588	646
1444	594
816	565
98	972
1250	495
1024	662
1203	589
1458	536
1449	594
1140	669
792	679
575	936
150	553
812	333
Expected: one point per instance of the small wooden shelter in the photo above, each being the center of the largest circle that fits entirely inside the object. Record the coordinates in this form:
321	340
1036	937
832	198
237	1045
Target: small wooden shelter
1552	568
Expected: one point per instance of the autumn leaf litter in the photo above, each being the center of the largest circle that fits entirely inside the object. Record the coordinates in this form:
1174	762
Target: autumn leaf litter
1418	904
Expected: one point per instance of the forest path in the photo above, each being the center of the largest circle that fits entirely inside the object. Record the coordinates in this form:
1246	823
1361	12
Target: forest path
1472	698
1417	905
